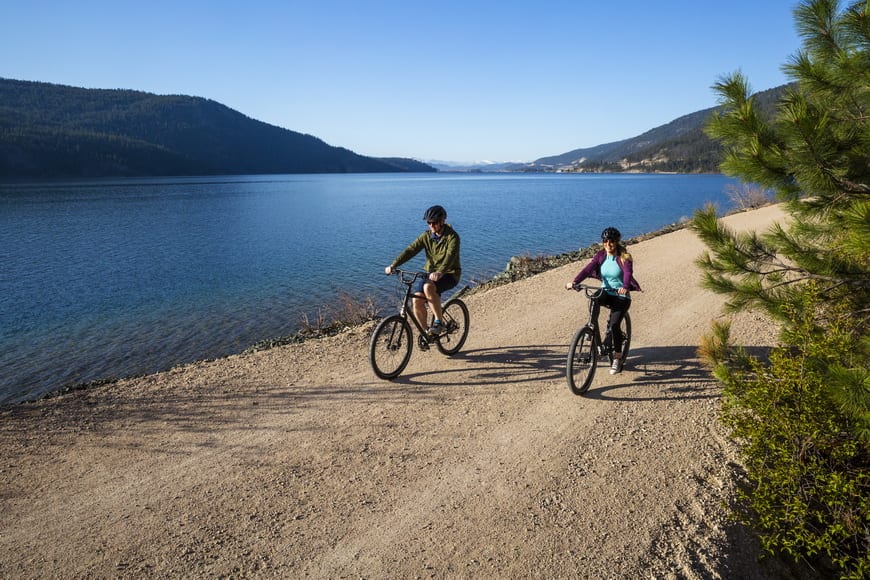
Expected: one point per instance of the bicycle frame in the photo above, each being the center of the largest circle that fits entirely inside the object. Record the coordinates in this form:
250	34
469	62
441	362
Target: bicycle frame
407	309
392	339
594	295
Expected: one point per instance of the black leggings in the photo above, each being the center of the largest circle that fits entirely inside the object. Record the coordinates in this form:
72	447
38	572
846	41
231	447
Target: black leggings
618	307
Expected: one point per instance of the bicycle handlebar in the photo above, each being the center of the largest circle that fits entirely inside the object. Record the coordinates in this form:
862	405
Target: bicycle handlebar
591	291
407	276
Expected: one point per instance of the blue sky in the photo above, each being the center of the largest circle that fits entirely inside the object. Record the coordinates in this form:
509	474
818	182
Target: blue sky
449	80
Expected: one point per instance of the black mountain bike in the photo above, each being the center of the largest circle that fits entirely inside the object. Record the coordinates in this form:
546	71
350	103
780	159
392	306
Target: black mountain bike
391	345
586	346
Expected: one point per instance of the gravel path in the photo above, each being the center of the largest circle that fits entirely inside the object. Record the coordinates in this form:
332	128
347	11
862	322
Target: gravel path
297	461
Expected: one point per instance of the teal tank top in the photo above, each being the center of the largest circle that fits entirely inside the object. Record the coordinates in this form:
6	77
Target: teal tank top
611	275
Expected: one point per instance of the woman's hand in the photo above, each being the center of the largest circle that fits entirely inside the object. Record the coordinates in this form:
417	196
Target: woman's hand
569	286
388	270
435	276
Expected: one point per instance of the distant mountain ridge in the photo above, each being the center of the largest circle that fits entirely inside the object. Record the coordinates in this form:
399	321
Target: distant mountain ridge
680	146
653	150
51	131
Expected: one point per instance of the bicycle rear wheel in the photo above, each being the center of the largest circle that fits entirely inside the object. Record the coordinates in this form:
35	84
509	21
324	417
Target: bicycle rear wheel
582	358
390	348
455	318
625	327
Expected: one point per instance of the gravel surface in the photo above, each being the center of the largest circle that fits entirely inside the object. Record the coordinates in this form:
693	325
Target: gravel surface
297	461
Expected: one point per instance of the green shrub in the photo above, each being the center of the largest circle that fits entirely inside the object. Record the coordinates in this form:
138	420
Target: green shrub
806	459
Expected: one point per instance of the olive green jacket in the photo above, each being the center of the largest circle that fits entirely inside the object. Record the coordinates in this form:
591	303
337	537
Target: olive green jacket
441	255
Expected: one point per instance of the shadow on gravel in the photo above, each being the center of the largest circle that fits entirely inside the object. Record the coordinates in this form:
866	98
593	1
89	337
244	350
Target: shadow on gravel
675	370
205	410
497	366
652	373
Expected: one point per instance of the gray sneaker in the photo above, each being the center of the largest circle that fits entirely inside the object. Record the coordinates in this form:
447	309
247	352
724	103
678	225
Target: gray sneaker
437	328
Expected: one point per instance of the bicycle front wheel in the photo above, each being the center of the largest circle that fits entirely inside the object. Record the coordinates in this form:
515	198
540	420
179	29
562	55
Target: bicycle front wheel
390	348
455	318
582	358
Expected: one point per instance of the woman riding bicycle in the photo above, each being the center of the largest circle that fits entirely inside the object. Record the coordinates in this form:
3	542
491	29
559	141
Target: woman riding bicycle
613	266
441	243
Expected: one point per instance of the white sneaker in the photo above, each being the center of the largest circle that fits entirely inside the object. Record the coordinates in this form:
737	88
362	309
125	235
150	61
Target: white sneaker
616	366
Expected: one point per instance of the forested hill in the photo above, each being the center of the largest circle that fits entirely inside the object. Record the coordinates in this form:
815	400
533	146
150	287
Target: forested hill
680	146
50	131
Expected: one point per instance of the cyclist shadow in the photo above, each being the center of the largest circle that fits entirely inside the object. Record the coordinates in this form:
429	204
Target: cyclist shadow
504	365
676	370
668	372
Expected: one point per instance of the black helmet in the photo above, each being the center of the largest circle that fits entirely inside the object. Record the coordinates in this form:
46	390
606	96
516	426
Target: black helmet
611	234
436	213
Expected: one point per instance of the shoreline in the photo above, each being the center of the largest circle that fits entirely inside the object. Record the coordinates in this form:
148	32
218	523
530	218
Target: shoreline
517	268
111	324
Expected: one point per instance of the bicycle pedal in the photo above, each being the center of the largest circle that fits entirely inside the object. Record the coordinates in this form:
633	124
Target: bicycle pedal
423	342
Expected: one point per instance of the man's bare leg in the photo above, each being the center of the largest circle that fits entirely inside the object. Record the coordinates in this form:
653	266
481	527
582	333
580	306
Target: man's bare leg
420	310
434	299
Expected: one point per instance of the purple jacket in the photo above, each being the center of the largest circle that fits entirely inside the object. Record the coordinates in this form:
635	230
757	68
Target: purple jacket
593	269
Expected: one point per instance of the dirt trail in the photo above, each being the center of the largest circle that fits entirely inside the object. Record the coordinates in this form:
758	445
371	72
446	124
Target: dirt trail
297	461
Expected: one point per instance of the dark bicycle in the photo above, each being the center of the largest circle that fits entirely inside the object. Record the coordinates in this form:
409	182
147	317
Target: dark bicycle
586	346
391	344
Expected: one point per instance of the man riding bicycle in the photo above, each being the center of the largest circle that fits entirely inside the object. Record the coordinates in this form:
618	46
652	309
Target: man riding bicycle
441	243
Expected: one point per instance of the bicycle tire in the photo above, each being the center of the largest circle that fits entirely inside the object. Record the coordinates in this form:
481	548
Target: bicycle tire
390	347
625	326
455	317
582	359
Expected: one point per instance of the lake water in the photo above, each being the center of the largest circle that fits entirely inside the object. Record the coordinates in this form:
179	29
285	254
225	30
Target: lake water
115	278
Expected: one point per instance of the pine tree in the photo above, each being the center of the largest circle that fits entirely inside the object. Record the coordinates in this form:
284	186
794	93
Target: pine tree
812	275
815	155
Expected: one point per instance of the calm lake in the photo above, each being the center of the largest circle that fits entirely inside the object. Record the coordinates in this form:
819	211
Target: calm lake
114	278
